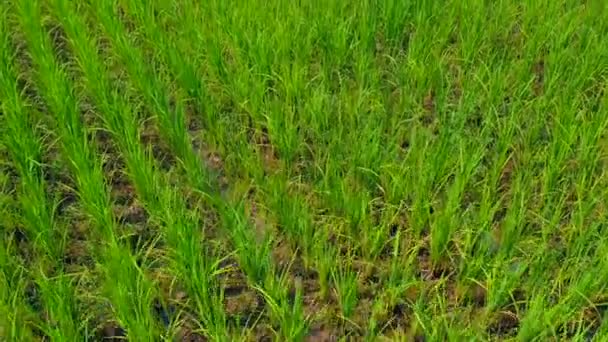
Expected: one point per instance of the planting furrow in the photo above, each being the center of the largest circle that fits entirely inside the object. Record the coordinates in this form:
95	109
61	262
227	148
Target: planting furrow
128	291
190	257
254	258
25	146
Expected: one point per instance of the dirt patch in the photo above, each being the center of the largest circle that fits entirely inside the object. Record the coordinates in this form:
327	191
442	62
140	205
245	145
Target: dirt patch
160	151
129	24
259	220
268	154
131	216
212	159
262	332
476	295
430	109
507	173
322	334
188	335
311	298
429	270
285	259
361	316
59	41
111	331
78	253
504	324
538	70
475	120
244	306
132	213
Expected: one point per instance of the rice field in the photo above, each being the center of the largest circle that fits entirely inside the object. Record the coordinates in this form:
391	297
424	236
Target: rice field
303	170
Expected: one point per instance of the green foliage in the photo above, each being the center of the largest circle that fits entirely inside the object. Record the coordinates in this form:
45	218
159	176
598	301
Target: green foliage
301	170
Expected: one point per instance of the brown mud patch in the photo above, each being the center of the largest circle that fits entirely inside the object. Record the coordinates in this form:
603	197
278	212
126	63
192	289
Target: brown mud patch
111	331
504	324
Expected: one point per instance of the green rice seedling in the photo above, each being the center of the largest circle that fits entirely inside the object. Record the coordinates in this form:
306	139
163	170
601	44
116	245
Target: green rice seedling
254	258
293	324
130	297
300	231
325	264
172	119
345	282
17	321
17	318
37	209
26	152
194	265
168	50
293	215
442	230
354	205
